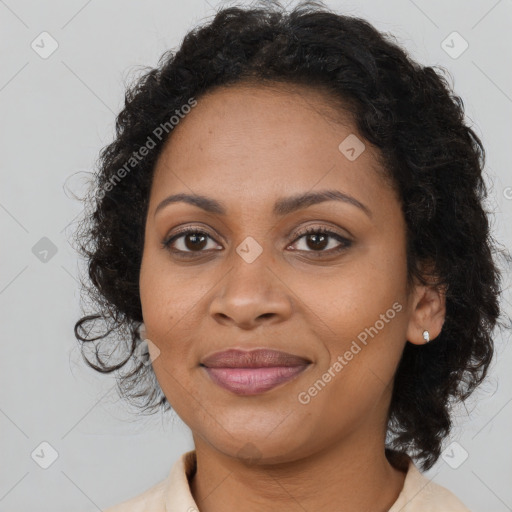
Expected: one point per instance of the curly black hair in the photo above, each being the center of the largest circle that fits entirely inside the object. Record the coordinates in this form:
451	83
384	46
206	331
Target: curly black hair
433	160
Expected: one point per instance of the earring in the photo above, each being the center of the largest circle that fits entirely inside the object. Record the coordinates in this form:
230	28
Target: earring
426	336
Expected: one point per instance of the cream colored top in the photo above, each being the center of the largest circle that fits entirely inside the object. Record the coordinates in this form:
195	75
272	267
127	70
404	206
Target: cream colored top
173	494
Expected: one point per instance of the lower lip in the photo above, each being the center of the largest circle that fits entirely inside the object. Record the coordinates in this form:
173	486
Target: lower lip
253	381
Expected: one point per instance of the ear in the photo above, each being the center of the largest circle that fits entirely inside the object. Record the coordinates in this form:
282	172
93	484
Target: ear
428	312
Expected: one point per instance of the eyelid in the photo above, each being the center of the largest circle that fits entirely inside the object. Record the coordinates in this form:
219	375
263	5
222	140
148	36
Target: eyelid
187	229
313	228
322	225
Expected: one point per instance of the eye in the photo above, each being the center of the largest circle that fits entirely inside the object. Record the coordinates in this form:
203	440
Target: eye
318	239
187	240
195	240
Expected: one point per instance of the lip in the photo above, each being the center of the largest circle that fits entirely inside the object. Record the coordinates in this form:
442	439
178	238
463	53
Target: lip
257	358
253	372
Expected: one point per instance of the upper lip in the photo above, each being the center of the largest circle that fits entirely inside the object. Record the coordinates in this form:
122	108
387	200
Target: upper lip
258	358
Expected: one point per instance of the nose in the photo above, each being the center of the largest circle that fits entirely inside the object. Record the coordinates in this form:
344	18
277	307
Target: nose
251	294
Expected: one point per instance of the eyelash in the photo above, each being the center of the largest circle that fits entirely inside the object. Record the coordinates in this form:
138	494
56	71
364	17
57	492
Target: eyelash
344	242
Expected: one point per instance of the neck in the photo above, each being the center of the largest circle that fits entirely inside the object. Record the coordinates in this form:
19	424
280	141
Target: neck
351	475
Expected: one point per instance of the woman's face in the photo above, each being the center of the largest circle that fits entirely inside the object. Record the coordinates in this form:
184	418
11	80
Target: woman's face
252	279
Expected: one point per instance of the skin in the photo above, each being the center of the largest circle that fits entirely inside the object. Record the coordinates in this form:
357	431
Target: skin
247	146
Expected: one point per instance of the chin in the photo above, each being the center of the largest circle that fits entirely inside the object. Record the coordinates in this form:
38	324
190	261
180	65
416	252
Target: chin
258	446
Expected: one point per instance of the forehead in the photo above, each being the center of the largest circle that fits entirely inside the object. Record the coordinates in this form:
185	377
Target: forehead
259	116
252	141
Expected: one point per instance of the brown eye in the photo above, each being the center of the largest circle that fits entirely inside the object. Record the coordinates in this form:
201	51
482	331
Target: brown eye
187	241
317	240
195	241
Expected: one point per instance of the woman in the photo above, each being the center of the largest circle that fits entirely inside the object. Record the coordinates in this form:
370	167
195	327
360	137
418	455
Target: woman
290	220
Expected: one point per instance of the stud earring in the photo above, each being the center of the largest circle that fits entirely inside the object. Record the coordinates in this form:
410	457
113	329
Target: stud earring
426	336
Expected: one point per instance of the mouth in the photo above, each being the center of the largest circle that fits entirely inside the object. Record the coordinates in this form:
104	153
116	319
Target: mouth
253	372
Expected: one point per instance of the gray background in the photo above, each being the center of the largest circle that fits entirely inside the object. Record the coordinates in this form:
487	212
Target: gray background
56	114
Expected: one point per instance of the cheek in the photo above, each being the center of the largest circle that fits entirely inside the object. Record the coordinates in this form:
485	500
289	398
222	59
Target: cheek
369	313
354	384
171	306
366	291
164	307
359	314
167	301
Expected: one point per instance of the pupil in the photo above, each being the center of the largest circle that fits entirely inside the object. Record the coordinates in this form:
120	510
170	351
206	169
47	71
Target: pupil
322	244
195	237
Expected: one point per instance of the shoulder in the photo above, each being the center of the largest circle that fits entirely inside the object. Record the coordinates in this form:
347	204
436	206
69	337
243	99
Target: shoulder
173	491
420	494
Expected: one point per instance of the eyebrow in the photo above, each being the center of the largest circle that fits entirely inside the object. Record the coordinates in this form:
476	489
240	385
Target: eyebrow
282	206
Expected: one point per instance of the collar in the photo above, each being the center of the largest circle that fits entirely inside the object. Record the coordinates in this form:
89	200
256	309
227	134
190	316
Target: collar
418	492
